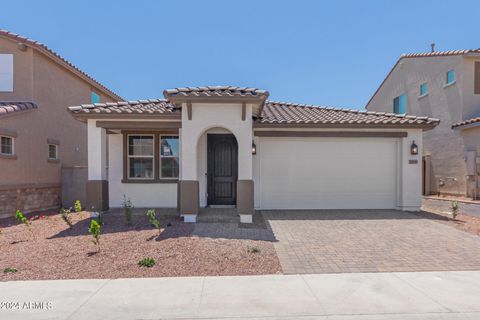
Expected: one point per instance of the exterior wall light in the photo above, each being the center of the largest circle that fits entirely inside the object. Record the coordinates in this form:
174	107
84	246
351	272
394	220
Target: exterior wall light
254	148
414	148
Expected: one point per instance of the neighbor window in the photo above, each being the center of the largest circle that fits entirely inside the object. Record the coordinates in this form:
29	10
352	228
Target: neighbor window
6	145
450	76
95	98
141	156
169	157
52	152
423	89
6	72
400	104
476	81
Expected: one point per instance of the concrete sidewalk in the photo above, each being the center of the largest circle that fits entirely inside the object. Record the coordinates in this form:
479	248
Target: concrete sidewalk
419	295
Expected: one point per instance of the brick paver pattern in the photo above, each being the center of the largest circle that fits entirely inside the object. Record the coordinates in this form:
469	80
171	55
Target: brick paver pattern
338	241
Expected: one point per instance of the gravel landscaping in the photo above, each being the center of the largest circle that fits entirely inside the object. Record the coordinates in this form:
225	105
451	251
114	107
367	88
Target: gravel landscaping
462	222
59	252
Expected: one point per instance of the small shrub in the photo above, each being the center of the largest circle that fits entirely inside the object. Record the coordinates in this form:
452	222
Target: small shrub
254	250
65	214
152	217
9	270
22	219
454	207
147	262
78	206
95	229
127	209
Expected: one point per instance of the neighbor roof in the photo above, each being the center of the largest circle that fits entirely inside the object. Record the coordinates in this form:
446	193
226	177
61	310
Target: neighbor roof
425	55
15	107
289	113
215	91
146	107
59	59
466	122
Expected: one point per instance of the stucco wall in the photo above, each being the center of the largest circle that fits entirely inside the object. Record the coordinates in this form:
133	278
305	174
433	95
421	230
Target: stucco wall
450	104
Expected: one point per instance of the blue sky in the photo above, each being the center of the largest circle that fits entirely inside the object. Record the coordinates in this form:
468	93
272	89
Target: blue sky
332	53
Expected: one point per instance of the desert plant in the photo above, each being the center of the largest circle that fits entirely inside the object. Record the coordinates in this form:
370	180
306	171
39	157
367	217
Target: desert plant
127	209
65	214
95	229
254	250
22	219
454	207
152	217
147	262
9	270
78	206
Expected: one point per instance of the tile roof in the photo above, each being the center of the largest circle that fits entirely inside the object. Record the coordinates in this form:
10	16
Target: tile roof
466	122
58	58
289	113
215	91
13	107
151	106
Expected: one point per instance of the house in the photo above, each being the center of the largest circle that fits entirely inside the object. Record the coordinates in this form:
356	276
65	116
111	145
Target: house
43	154
443	85
230	146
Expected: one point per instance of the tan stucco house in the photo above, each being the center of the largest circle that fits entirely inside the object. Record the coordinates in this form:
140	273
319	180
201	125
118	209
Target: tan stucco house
443	85
230	146
43	154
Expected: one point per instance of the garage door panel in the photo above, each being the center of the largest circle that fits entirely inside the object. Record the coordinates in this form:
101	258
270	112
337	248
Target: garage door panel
327	173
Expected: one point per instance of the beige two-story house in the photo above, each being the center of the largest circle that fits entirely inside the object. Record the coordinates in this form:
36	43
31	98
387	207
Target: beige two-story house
443	85
43	151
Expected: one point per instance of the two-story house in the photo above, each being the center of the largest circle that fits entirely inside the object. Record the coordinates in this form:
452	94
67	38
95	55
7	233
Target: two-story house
443	85
43	151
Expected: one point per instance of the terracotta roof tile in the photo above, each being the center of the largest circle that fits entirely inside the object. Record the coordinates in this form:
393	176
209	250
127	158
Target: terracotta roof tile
43	48
152	106
289	113
215	91
466	122
7	107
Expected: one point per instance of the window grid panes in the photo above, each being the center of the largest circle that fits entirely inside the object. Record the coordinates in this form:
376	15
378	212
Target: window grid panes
6	145
141	157
450	76
423	89
52	151
169	157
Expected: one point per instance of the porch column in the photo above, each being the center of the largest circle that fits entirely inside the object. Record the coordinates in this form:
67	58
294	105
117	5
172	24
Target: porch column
410	198
245	184
97	184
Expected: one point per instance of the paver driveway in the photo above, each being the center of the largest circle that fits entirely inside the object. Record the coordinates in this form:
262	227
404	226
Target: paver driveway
331	241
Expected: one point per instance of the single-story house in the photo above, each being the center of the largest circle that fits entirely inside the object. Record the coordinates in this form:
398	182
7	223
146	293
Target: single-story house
230	146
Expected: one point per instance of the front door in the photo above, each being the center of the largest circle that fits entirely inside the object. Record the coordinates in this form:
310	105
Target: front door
222	169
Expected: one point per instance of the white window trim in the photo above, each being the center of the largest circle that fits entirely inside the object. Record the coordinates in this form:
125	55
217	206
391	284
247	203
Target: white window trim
450	84
141	156
13	145
56	151
160	157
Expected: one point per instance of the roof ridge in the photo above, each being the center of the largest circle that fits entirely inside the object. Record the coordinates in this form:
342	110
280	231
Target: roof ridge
438	53
40	46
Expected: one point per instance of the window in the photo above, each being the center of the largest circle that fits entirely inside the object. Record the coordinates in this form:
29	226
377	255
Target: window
6	145
476	79
400	104
52	151
423	89
95	97
169	157
140	156
6	72
450	76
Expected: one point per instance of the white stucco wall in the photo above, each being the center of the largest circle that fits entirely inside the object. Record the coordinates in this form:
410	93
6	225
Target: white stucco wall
142	195
97	151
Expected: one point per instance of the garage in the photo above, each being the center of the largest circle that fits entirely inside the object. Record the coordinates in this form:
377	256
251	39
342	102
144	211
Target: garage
326	173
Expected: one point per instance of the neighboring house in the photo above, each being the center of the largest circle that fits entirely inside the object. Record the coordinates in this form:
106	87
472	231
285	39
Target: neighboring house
42	148
443	85
229	146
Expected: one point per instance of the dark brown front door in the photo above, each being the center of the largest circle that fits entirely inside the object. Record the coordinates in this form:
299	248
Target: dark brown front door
222	169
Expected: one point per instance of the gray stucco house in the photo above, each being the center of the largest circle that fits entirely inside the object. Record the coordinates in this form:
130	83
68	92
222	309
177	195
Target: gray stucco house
231	146
443	85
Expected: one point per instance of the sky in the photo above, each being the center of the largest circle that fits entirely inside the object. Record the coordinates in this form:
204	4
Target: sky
331	53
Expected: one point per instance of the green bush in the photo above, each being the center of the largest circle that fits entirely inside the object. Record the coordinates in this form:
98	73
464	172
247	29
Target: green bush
78	206
146	262
454	207
65	213
254	250
95	229
152	217
9	270
22	219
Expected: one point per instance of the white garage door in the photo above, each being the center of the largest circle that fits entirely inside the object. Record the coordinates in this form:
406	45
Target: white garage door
327	173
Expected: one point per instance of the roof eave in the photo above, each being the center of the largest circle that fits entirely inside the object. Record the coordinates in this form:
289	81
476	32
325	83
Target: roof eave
126	116
424	126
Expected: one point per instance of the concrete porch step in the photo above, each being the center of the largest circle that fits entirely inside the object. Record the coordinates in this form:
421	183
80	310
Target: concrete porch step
218	215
